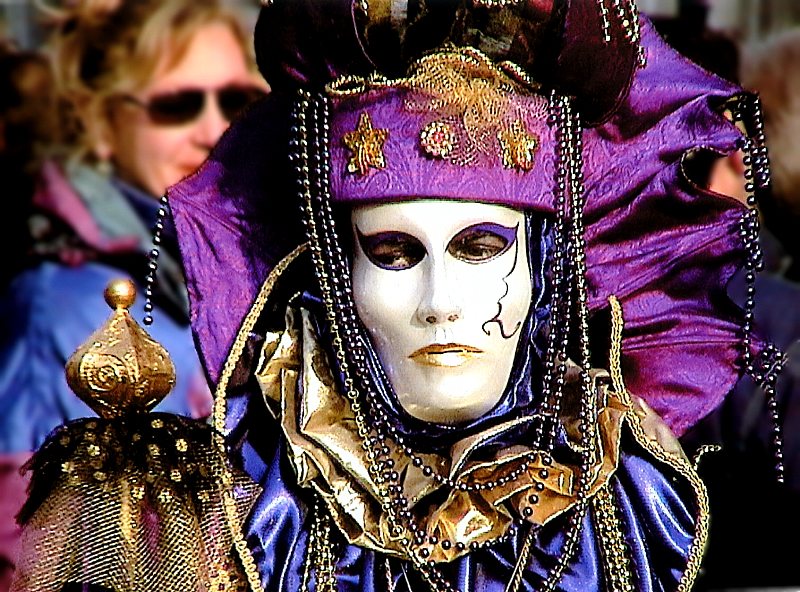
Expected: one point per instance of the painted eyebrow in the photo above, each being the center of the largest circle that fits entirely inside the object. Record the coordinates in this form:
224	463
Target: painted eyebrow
509	233
371	239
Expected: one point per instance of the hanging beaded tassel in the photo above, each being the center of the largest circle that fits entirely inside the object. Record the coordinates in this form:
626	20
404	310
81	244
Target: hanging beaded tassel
555	365
320	557
152	261
764	372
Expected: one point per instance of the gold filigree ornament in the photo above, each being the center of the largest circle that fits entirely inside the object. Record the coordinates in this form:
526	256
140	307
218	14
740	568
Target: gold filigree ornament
120	368
476	101
366	144
132	500
518	146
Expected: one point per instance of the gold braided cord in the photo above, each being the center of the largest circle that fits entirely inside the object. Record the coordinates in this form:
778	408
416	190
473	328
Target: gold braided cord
614	550
522	562
614	360
220	408
680	463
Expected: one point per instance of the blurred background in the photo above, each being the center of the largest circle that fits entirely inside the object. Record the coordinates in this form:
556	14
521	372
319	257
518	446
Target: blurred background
743	20
21	21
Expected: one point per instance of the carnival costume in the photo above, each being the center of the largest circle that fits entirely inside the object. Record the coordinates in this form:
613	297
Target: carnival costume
575	113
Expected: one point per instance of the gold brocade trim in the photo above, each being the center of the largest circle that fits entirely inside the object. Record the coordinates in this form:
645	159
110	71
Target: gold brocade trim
220	409
474	109
676	459
616	559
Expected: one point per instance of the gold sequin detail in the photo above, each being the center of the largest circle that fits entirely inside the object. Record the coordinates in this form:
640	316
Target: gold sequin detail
437	139
518	146
366	144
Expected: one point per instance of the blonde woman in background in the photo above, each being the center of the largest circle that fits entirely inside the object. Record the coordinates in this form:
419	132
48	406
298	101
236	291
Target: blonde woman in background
151	86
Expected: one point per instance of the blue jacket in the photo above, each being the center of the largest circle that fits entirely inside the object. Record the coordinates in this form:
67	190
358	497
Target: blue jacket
51	308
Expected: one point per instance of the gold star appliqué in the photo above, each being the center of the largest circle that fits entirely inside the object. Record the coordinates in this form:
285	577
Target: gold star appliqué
366	144
518	146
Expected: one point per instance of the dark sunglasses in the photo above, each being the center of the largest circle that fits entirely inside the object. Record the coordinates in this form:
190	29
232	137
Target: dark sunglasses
184	106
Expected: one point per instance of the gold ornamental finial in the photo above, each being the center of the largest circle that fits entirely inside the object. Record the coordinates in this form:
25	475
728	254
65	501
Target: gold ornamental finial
120	369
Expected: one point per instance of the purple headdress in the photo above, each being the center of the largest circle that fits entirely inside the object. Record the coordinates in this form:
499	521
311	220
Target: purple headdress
654	237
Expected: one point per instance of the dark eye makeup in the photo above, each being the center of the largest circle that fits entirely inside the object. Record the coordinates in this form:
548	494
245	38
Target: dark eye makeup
482	242
478	243
392	250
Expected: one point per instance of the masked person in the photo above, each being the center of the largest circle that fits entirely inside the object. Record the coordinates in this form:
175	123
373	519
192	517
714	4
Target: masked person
460	283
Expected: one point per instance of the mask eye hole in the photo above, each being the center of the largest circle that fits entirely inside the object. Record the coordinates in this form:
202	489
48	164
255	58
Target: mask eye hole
392	250
482	242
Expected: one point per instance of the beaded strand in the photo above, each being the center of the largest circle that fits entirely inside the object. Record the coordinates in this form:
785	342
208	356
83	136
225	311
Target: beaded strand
570	165
152	260
764	372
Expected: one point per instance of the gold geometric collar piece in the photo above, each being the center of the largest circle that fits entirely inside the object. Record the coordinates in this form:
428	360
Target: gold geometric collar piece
366	145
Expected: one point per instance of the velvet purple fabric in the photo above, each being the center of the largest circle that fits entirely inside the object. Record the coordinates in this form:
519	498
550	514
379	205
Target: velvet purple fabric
662	245
410	173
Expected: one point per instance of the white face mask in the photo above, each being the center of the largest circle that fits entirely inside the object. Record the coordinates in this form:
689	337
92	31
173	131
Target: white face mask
443	288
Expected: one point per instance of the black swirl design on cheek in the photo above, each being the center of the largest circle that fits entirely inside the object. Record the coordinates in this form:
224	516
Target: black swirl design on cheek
496	318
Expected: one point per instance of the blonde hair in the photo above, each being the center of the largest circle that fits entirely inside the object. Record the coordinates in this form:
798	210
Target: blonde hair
772	69
106	48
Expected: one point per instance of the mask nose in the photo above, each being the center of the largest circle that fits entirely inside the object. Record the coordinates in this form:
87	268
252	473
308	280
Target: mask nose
439	303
